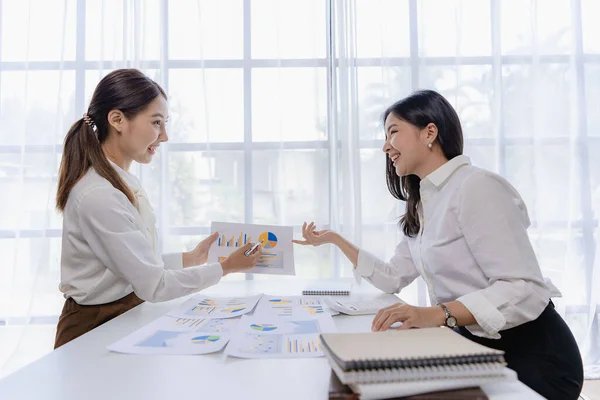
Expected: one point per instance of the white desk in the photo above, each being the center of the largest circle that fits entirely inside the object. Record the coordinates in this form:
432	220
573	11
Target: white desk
84	370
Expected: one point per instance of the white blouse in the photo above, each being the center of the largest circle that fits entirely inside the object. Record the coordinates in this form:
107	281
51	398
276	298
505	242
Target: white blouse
109	248
472	247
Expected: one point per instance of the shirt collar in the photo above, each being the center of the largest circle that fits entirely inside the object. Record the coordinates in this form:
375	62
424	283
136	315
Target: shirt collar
441	175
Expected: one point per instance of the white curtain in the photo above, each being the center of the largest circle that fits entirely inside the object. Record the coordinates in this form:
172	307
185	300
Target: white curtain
275	108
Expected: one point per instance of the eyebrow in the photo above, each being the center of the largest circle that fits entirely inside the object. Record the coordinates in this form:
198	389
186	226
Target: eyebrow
157	115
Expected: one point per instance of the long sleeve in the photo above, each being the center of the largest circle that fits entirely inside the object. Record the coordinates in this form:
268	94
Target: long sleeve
108	224
494	221
173	260
392	276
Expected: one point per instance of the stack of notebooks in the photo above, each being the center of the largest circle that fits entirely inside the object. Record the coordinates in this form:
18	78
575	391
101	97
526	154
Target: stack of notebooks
381	365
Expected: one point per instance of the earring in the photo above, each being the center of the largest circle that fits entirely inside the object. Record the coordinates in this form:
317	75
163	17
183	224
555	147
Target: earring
429	145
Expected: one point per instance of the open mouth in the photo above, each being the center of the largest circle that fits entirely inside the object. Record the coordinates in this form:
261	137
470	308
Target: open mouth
395	158
152	149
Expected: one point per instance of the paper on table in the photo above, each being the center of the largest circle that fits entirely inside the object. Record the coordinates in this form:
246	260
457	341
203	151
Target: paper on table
171	335
277	248
264	337
293	307
201	306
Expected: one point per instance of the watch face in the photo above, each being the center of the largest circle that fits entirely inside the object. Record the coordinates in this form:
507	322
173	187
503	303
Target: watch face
451	322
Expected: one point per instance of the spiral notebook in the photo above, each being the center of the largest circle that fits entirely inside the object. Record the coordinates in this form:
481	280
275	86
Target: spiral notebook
409	355
328	289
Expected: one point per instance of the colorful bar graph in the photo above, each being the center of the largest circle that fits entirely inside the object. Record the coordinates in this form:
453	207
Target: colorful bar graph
294	346
189	322
242	240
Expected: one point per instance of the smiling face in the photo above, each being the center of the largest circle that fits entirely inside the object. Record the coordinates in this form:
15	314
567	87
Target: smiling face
141	135
405	145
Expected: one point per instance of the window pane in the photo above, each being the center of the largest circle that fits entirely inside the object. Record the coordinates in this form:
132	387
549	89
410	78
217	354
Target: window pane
377	203
543	24
454	28
206	105
34	201
481	156
289	104
536	100
28	264
382	28
21	41
594	171
590	9
311	262
150	20
205	187
288	29
110	23
592	98
469	89
104	30
537	173
290	187
559	253
26	117
378	88
206	29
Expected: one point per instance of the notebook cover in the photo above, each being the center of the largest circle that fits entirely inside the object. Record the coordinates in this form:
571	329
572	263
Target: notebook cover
339	391
405	348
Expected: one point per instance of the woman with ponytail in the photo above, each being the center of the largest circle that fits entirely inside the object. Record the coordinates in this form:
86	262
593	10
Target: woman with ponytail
465	234
110	260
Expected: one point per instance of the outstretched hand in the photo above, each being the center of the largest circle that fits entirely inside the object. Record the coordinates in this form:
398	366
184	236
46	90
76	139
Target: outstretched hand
312	237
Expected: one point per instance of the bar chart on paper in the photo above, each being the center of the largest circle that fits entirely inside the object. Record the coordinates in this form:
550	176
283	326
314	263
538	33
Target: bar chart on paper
276	241
273	337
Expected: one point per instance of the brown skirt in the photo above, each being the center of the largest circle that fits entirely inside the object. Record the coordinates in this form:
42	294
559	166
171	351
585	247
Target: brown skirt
76	319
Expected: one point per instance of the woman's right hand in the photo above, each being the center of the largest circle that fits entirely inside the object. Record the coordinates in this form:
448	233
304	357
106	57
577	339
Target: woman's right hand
238	261
312	237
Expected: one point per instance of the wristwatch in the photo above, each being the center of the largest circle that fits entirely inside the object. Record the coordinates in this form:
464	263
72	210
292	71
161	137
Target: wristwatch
450	321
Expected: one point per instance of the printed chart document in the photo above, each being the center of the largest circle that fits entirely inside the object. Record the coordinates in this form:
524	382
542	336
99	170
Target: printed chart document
171	335
277	248
201	306
292	307
271	337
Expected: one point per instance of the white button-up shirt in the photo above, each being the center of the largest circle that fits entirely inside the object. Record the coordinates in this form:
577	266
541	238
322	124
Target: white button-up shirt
472	247
109	248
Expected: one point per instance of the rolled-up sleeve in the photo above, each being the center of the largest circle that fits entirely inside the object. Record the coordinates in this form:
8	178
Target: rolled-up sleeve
392	276
108	225
494	221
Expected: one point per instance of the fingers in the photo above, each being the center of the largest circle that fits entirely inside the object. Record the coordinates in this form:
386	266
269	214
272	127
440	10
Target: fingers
392	318
405	325
247	246
381	320
212	237
307	234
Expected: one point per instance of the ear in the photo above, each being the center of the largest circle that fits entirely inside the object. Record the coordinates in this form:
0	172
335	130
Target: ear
116	119
429	133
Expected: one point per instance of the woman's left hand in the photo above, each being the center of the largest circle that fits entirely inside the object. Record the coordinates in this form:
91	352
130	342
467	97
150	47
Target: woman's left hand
199	255
410	316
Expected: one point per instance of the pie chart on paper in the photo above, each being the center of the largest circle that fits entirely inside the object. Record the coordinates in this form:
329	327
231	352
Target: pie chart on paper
269	240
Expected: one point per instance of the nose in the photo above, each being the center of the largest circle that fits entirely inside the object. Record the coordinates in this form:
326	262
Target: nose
163	137
386	146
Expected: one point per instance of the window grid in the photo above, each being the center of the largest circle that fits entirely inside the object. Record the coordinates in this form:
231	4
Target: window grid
499	141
